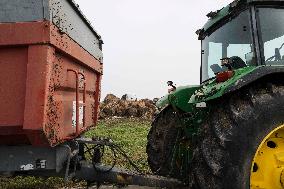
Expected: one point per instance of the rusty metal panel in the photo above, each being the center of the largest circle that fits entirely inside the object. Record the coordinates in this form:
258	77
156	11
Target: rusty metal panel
50	72
61	121
12	85
55	87
69	20
23	10
65	14
38	67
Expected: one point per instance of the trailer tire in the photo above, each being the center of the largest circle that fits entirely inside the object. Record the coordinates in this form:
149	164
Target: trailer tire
231	136
161	141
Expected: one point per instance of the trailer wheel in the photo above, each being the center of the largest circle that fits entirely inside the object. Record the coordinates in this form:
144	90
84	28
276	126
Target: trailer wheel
161	141
241	145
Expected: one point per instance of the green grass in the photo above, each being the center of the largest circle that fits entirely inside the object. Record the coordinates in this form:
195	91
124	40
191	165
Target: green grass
34	183
130	134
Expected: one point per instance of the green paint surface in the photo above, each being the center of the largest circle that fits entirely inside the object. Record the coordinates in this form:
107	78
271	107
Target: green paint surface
186	101
187	97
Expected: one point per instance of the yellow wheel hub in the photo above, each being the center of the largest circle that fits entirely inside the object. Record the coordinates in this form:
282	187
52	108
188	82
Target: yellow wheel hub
267	171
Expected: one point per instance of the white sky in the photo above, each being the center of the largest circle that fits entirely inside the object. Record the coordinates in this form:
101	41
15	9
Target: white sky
148	42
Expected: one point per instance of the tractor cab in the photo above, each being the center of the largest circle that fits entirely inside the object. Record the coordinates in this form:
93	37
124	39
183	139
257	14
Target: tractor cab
245	33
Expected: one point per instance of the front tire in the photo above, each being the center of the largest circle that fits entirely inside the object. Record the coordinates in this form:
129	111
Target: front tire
161	141
230	138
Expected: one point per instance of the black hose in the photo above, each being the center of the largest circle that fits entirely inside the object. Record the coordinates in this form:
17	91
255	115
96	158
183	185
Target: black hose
115	150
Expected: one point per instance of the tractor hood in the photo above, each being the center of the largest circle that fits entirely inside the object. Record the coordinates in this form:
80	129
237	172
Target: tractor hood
179	98
187	98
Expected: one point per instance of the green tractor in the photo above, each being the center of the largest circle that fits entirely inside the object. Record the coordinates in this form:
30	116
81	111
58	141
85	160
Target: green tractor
228	132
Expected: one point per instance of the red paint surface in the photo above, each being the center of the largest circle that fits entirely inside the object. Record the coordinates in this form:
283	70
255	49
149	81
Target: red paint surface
13	85
224	76
36	90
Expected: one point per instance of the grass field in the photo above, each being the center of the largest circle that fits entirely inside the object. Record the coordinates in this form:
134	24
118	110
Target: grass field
130	134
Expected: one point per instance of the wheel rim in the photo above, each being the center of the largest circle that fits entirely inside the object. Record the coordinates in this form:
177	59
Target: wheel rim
267	170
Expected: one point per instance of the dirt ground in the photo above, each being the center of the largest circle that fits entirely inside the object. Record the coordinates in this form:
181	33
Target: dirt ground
129	187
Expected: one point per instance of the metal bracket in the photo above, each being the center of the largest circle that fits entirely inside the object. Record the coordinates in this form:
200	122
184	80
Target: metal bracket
78	102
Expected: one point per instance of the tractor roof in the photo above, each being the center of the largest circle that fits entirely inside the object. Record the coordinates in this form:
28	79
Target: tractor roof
215	17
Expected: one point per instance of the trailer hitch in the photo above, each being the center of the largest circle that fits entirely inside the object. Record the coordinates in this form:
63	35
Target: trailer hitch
75	166
96	172
124	177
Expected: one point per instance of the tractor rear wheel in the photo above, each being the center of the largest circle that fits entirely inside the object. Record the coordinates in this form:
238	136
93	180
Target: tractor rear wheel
161	141
241	145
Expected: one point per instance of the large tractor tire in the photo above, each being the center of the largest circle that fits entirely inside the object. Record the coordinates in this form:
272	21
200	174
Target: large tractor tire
161	141
241	145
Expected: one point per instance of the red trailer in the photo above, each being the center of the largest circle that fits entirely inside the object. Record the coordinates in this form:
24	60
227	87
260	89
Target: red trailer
50	75
50	84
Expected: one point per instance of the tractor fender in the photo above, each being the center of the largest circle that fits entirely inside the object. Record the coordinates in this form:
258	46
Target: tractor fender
212	89
263	72
186	98
243	77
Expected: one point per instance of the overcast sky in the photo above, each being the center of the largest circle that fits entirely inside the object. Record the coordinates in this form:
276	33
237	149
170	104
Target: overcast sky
148	42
